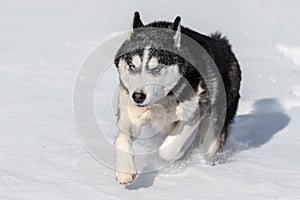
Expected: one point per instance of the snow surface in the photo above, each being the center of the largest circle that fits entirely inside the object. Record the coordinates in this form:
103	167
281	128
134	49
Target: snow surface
42	46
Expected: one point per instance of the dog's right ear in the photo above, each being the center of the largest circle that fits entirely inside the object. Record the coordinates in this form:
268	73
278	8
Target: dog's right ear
136	23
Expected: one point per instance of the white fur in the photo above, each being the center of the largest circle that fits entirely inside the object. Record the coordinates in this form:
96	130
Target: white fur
186	109
162	112
171	148
153	62
136	60
154	86
177	37
145	57
125	168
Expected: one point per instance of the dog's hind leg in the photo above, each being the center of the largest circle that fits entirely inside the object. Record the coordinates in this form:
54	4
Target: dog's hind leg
213	141
171	148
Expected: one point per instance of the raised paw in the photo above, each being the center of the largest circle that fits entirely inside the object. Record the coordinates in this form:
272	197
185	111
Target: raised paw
125	178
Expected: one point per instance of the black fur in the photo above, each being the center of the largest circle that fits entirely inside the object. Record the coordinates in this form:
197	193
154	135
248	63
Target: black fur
137	22
220	51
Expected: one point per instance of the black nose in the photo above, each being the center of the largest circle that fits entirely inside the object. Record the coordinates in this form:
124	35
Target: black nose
138	97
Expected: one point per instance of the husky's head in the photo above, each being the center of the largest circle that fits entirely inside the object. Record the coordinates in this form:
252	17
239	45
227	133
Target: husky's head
147	71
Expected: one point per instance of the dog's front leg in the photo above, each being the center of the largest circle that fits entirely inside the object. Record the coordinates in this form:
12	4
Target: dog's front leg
129	123
171	148
125	168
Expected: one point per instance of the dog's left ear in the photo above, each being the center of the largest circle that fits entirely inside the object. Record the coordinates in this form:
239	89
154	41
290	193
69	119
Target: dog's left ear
176	26
136	23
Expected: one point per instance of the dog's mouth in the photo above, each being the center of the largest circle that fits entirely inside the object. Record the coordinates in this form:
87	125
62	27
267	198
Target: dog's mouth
142	106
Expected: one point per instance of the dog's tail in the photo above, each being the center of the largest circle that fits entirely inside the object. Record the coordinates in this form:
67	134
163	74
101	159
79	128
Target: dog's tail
221	39
234	77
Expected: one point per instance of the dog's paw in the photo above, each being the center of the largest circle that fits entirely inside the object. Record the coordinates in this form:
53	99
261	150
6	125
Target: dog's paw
125	178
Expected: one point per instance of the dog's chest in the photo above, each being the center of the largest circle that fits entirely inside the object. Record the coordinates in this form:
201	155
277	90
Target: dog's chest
157	115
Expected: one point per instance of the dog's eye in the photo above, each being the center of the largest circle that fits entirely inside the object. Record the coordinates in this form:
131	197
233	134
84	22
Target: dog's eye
156	70
132	68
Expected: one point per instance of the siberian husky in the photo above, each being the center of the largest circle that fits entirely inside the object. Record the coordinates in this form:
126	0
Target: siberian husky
161	88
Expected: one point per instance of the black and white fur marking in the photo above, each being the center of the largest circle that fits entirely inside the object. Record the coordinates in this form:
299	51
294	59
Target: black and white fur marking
157	84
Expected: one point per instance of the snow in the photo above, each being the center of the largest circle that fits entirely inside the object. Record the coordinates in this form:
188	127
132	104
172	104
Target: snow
291	52
43	44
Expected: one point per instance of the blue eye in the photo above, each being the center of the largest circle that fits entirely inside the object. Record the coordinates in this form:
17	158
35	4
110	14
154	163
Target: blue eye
132	68
156	70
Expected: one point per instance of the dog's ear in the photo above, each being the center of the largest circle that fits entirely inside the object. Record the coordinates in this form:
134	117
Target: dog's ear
176	26
136	23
